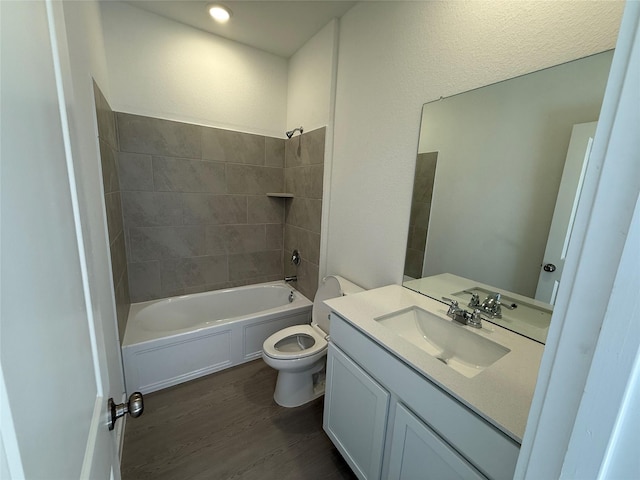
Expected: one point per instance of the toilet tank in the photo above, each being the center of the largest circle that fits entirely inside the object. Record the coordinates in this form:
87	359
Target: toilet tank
331	286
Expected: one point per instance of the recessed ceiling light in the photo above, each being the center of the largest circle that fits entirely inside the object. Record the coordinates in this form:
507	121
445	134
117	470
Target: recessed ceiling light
220	13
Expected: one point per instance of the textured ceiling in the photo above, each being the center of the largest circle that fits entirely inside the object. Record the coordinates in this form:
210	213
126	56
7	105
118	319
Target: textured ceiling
278	27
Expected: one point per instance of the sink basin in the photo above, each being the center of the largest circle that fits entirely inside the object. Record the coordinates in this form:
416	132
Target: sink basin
462	350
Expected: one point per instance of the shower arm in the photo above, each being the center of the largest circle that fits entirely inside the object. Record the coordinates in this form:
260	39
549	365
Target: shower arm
290	133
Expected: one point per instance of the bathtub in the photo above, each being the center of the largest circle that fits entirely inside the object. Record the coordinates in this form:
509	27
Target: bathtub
173	340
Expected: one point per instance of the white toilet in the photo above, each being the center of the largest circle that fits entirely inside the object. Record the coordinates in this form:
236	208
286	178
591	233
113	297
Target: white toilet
299	352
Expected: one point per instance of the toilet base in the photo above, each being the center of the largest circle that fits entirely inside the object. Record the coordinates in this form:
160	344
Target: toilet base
294	389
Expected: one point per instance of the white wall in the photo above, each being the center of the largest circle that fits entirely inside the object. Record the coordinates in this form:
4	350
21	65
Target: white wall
164	69
310	78
501	152
394	57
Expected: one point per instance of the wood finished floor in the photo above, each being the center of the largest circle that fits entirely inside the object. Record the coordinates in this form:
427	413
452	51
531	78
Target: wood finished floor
227	426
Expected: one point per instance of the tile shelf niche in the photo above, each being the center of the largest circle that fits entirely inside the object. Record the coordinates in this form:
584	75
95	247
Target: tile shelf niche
280	195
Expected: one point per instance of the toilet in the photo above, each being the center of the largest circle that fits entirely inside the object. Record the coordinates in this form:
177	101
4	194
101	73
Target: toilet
299	352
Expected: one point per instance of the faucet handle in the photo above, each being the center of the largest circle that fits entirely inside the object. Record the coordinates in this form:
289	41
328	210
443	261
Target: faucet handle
453	303
475	299
453	306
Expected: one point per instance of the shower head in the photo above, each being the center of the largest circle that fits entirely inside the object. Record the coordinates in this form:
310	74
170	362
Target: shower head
291	132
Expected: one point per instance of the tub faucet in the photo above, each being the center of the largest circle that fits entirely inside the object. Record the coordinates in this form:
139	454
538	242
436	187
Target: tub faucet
292	278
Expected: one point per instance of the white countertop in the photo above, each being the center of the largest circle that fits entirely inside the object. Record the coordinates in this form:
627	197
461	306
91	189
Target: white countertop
501	393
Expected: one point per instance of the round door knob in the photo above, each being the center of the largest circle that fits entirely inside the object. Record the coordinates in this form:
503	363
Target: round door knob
549	267
134	407
136	404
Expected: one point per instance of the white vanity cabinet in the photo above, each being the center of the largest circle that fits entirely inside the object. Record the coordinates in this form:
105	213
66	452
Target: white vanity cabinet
391	422
355	414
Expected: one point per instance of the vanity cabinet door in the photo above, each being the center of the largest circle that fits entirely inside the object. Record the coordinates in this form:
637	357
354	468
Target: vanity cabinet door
417	452
355	414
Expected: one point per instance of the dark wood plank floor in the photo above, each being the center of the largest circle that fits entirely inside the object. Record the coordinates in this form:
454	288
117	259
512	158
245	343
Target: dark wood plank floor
227	426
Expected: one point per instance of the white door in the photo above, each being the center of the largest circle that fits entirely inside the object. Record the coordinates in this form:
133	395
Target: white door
52	355
565	210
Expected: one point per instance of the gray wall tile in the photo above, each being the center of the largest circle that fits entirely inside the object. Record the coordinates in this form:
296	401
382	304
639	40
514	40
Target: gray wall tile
235	239
234	147
304	213
306	149
150	209
291	184
106	119
418	238
304	169
144	281
420	213
113	206
204	209
254	180
135	171
263	209
208	287
307	274
274	152
156	243
424	177
118	258
289	268
413	263
123	301
189	176
109	168
307	243
138	134
275	237
108	143
195	197
251	265
177	274
304	181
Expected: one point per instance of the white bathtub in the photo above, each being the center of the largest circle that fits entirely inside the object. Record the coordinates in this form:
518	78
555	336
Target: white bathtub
177	339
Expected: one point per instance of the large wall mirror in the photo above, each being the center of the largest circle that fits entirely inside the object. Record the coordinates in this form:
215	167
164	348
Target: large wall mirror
498	177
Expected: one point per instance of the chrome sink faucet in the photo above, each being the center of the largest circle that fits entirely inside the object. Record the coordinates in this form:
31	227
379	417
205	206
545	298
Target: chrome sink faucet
492	305
460	315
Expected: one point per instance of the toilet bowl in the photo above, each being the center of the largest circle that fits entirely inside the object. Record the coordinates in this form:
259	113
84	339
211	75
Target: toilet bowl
299	352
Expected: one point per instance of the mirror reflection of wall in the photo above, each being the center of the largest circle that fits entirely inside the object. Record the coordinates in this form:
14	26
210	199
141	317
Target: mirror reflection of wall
501	151
420	209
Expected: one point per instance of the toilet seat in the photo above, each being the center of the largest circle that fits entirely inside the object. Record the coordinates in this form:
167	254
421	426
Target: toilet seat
320	343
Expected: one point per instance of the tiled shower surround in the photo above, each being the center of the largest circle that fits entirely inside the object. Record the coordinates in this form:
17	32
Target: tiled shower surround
196	213
108	141
420	212
303	173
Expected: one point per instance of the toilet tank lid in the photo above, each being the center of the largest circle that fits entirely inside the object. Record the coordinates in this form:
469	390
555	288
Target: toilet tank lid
347	287
332	286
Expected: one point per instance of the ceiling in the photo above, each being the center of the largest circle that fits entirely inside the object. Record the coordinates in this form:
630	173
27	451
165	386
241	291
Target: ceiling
278	27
